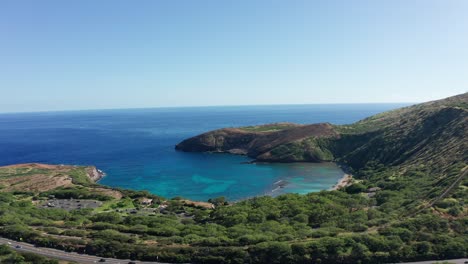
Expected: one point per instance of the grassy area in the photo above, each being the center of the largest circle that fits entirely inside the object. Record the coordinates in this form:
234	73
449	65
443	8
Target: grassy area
312	149
125	203
268	128
6	173
416	157
80	176
317	223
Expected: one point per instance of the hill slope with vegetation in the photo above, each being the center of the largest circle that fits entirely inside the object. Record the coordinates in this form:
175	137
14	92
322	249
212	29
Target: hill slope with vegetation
433	131
408	201
434	134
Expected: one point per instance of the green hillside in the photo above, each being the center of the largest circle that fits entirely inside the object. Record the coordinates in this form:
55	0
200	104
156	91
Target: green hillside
408	200
432	134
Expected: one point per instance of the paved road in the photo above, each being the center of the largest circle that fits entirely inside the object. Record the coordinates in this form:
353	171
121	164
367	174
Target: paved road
88	259
456	261
58	254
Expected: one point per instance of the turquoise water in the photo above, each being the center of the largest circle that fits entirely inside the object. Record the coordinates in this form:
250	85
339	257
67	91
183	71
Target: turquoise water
136	147
303	178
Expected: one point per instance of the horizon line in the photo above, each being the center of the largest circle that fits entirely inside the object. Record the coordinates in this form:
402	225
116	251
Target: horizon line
197	106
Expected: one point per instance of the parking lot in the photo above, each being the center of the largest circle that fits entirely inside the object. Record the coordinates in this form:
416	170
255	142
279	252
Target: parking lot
70	204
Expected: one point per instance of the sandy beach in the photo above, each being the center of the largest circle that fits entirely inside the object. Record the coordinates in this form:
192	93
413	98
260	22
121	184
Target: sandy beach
343	182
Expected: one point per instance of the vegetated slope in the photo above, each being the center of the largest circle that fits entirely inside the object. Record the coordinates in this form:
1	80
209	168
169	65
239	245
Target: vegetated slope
419	150
432	133
417	156
408	202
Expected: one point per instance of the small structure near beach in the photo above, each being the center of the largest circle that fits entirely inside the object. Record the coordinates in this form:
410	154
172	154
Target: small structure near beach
146	201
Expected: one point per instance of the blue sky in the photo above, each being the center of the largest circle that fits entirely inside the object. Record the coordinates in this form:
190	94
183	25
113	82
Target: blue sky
88	54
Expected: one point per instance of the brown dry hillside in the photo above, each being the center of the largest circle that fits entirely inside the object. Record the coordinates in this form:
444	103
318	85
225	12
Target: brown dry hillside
36	177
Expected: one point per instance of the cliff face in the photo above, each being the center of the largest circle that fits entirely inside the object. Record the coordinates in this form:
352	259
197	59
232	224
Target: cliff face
94	174
434	133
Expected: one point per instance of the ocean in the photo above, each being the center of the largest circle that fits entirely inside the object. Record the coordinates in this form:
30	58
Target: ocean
135	147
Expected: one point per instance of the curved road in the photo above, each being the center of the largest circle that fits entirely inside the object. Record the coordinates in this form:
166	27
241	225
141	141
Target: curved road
62	255
88	259
455	261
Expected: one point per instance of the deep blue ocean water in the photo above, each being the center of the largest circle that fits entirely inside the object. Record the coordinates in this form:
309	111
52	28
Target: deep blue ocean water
135	147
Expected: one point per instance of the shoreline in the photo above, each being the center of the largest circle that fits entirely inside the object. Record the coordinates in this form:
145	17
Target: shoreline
96	175
343	182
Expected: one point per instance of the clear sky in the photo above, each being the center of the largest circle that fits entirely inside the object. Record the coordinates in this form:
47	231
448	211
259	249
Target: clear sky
92	54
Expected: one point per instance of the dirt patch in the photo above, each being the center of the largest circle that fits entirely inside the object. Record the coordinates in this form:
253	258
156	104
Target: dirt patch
150	242
36	183
200	204
343	182
108	192
38	166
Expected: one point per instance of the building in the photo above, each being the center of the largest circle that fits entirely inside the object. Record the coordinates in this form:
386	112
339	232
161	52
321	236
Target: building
146	201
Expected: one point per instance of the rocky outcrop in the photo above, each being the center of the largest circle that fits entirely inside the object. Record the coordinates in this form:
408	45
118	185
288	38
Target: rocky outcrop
94	174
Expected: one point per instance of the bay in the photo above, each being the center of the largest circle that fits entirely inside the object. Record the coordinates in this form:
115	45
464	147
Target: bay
135	147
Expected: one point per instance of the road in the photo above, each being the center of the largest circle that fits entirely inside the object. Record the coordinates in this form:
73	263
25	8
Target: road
88	259
62	255
456	261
